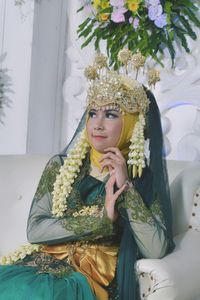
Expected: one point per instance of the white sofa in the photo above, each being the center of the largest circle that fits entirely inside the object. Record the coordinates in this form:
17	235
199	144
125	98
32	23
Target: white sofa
174	277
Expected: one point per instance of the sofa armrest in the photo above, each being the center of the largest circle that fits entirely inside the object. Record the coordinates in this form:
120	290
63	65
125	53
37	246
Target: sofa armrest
175	276
182	190
154	280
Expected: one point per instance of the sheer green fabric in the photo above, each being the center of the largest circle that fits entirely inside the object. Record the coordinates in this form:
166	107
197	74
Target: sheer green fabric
152	186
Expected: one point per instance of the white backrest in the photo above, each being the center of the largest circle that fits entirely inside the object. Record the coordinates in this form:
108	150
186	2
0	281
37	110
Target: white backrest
19	176
184	196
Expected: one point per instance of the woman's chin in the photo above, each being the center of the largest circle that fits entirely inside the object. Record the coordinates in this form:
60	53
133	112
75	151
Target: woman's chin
99	149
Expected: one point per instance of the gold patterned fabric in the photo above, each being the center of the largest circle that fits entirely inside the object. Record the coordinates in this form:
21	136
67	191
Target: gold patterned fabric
96	262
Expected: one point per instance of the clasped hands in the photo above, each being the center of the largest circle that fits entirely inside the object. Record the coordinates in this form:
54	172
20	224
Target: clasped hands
116	164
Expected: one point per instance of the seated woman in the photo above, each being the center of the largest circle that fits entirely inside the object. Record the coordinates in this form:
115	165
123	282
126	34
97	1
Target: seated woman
98	207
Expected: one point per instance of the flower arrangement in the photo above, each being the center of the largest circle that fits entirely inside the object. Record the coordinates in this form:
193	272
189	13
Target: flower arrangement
148	26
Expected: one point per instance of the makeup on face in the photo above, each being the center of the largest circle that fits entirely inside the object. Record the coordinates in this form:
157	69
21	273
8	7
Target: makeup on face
104	127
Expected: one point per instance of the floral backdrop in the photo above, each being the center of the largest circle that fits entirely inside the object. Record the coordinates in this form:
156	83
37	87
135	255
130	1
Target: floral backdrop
148	26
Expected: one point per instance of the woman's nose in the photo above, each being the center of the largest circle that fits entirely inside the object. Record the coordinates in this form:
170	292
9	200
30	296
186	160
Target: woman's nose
99	124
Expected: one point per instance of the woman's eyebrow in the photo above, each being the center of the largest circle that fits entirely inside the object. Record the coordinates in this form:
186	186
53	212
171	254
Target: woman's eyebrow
111	110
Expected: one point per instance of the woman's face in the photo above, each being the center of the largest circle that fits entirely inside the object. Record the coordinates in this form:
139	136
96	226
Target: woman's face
104	128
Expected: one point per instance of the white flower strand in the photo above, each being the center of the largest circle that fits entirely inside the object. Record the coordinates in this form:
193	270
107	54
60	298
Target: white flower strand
136	153
19	254
67	174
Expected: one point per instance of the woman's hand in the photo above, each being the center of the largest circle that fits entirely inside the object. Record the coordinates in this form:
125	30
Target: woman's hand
116	163
111	197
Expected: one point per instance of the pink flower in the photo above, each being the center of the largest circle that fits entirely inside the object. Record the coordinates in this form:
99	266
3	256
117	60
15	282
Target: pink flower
117	15
89	9
130	20
135	23
117	3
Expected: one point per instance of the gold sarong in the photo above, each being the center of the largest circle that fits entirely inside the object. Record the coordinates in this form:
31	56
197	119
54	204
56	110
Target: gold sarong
96	262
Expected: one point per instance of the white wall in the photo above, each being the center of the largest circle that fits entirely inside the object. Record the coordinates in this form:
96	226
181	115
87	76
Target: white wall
47	76
16	41
34	38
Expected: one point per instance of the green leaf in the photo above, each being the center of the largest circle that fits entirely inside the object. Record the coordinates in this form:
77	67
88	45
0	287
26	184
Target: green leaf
184	43
87	41
187	26
155	57
187	3
168	7
84	24
191	15
86	31
105	10
80	9
170	47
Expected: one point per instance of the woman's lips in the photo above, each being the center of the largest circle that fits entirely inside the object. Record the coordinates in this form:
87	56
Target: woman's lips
99	137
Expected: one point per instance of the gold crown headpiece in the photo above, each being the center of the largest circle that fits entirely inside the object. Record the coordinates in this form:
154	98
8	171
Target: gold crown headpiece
110	87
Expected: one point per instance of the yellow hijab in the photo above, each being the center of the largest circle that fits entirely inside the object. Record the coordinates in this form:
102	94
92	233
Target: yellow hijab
128	123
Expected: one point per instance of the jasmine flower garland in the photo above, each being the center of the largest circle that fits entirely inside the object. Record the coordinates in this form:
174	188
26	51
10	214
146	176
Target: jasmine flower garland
136	161
147	26
19	254
67	174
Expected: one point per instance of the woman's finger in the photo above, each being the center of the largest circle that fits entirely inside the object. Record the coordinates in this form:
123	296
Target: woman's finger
110	185
114	150
111	181
107	163
120	191
110	155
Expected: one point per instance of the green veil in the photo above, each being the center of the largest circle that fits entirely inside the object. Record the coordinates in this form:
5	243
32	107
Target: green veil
153	184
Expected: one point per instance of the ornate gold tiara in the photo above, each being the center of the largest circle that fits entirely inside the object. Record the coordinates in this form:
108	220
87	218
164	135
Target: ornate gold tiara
110	87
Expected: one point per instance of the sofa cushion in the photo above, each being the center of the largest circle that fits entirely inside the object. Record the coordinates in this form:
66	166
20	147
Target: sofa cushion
19	176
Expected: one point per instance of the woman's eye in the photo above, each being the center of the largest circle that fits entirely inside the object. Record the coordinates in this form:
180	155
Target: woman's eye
111	115
92	114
